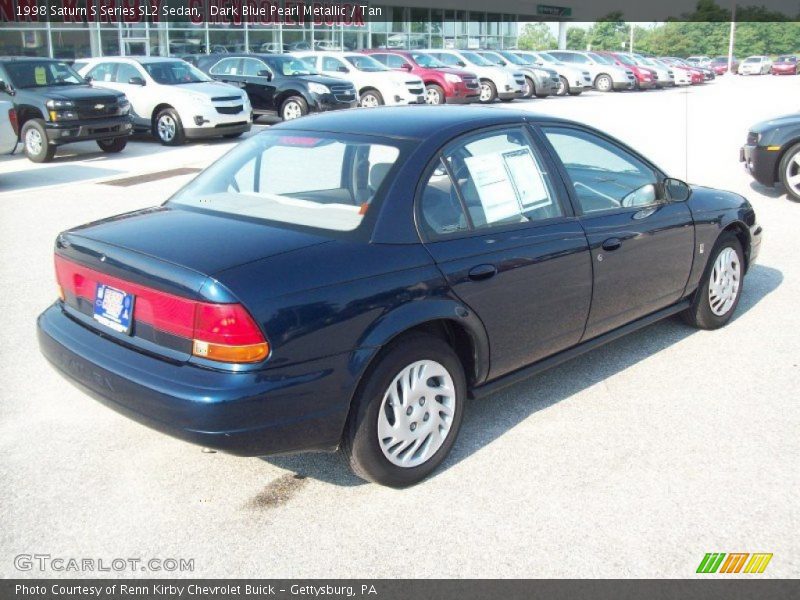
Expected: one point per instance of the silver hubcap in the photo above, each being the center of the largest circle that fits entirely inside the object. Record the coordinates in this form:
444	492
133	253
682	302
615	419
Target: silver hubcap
416	413
604	83
562	87
724	285
526	89
432	96
369	101
33	141
292	110
166	128
793	173
486	92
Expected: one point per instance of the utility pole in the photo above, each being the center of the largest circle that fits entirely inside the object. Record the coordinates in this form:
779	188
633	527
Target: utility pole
732	37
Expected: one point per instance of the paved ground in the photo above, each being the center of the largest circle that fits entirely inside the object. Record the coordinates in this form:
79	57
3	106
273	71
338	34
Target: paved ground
634	460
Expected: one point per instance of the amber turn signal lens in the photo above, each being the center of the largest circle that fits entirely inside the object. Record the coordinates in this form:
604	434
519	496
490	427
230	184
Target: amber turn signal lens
61	293
232	354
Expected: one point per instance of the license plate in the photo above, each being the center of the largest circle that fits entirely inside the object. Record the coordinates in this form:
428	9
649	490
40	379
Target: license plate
113	308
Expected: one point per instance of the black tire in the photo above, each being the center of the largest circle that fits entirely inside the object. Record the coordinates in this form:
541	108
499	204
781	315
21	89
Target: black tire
370	94
604	83
700	314
575	92
542	96
233	136
172	126
490	88
360	444
790	167
113	145
34	141
563	88
297	105
434	94
531	87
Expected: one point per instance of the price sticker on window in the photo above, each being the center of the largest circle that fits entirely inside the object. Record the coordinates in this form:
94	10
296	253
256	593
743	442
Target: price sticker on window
40	75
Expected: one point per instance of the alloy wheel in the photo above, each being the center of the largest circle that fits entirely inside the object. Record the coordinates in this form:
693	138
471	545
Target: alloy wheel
563	88
793	174
432	96
416	413
486	92
369	101
33	141
166	128
604	83
292	110
723	288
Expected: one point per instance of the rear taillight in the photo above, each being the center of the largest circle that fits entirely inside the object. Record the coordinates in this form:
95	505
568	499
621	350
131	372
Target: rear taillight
226	332
12	117
220	332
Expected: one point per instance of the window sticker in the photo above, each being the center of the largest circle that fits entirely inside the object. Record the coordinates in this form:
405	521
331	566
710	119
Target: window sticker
527	178
40	75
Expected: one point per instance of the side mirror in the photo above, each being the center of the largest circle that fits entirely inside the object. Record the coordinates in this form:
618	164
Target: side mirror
5	88
461	63
343	69
407	66
265	73
677	190
88	79
136	81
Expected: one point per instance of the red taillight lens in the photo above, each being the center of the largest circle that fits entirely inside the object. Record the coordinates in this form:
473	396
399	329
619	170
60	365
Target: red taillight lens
12	117
227	332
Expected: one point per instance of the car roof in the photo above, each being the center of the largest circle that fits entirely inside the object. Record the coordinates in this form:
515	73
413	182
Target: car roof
413	122
142	60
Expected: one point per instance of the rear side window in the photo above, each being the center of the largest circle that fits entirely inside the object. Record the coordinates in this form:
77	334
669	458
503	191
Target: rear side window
227	66
126	72
102	72
395	62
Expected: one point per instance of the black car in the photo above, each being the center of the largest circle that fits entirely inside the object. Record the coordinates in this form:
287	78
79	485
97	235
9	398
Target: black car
278	83
772	153
57	106
346	280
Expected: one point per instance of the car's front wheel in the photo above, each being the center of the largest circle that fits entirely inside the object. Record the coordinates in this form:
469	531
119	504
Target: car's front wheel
529	89
488	92
434	94
563	86
604	83
113	145
789	170
34	138
407	412
293	108
168	128
371	99
721	287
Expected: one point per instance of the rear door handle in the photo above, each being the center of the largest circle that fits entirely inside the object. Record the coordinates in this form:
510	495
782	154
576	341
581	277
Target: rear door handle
612	244
481	272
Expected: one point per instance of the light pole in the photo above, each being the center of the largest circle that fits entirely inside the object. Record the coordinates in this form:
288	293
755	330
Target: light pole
732	37
630	49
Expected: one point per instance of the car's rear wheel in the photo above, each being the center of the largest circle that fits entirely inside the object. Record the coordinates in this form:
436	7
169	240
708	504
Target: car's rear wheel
434	94
113	145
34	139
563	86
293	108
407	412
604	83
789	171
721	287
371	99
168	128
488	92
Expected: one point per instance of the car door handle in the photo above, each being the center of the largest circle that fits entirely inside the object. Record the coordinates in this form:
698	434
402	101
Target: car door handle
481	272
612	244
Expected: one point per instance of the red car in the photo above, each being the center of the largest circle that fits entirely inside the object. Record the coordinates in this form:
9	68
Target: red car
785	65
443	84
645	78
720	65
696	74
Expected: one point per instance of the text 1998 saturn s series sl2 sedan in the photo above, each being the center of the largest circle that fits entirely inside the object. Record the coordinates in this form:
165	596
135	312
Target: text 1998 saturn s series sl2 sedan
347	280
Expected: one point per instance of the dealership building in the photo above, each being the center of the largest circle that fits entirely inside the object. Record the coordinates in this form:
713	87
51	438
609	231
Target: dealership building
435	24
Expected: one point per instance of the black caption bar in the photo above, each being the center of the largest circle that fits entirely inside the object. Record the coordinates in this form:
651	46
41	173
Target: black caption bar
443	589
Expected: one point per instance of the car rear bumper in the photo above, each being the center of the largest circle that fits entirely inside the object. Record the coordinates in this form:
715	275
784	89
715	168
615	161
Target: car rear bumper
285	409
221	129
97	129
760	163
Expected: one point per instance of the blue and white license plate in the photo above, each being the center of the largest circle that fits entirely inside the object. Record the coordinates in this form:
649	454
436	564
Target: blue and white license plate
113	308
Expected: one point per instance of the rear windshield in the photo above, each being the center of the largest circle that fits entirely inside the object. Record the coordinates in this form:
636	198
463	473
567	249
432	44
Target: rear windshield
753	59
33	73
326	181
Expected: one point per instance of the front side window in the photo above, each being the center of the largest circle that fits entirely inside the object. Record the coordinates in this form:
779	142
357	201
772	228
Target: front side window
499	180
227	66
323	181
251	67
44	73
332	64
451	60
102	72
393	61
427	61
126	72
174	72
365	63
476	59
290	66
603	175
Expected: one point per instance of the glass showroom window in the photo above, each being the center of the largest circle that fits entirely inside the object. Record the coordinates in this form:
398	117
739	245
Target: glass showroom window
187	41
226	39
437	28
26	42
264	39
297	40
71	43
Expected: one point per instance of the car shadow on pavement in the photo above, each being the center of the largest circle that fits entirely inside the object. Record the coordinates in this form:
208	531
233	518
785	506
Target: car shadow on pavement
770	192
487	419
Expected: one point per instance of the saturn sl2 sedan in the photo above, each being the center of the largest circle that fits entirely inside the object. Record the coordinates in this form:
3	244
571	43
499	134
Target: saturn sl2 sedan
347	280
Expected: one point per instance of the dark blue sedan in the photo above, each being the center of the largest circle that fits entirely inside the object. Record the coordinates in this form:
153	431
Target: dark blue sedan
347	280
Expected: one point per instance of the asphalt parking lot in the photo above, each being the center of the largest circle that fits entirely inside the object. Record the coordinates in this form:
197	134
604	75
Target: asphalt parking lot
632	461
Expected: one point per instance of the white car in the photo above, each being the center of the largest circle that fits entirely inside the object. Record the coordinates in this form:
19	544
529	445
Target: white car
8	127
375	83
496	82
665	75
681	76
574	80
606	75
171	98
755	65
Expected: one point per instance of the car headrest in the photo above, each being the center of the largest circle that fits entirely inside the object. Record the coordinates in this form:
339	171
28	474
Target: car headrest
377	174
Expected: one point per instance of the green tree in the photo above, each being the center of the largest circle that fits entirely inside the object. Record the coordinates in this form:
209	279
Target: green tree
536	36
609	33
576	38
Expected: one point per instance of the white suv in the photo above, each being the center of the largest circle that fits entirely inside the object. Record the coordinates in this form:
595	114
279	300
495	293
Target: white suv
496	82
173	99
375	83
606	75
